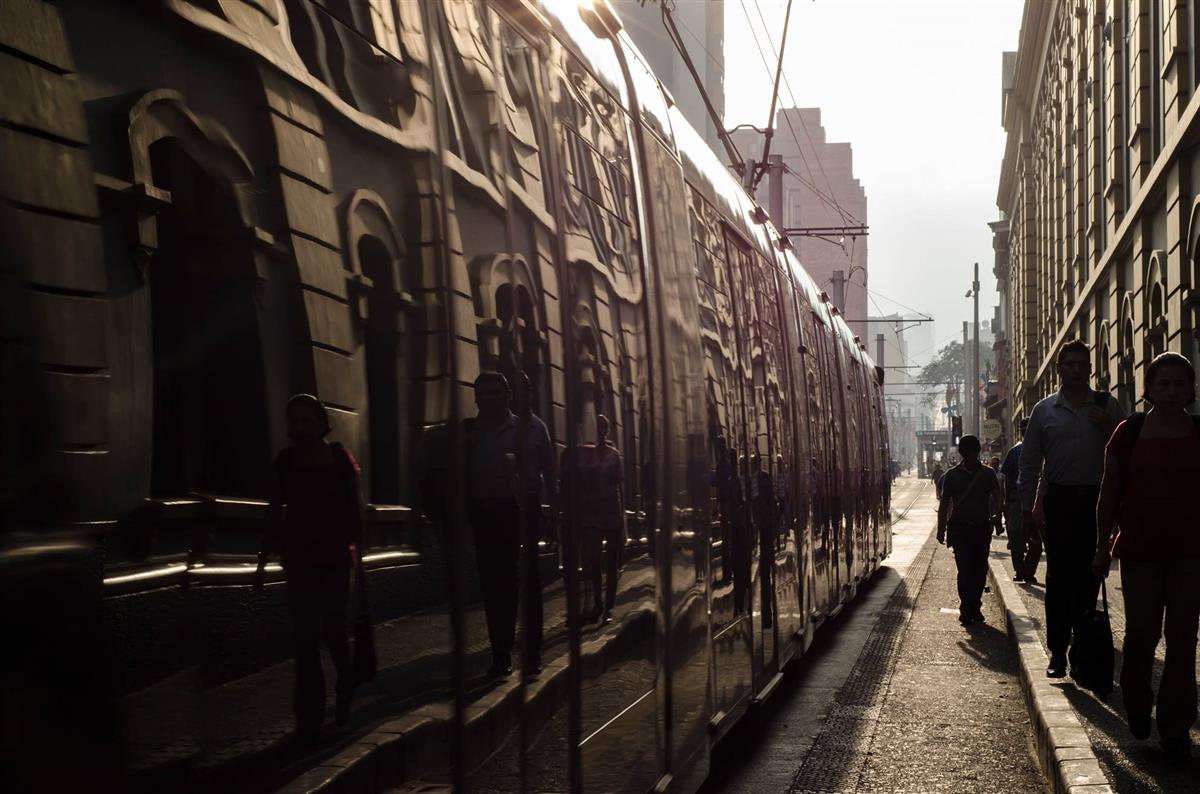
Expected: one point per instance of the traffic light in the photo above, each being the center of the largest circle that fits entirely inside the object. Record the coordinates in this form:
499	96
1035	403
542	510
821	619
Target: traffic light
956	429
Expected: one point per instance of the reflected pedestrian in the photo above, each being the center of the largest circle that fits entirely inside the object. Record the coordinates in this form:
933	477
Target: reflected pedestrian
743	538
970	493
315	521
724	480
1024	548
1065	442
1151	468
601	520
783	490
765	517
494	512
535	465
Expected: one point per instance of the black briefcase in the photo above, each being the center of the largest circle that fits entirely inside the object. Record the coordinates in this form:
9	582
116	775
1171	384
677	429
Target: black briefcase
1092	650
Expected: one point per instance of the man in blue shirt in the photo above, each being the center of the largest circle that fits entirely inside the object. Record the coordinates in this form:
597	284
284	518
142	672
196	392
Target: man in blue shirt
1025	548
1065	443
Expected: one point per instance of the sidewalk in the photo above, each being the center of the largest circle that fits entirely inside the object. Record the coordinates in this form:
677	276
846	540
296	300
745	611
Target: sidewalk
1128	764
902	699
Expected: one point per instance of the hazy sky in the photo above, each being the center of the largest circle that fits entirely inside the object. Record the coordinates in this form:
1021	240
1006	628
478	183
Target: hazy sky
914	85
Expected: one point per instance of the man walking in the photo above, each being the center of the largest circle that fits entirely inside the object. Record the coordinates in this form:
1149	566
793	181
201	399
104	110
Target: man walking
970	493
1065	442
1026	549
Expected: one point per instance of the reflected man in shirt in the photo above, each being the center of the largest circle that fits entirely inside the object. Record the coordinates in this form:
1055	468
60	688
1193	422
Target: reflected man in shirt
494	512
535	467
1065	441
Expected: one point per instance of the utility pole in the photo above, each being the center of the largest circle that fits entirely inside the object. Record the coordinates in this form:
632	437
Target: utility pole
964	408
975	402
838	281
775	191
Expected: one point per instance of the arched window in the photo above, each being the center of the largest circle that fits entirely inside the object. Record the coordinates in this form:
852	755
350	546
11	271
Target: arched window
389	348
210	424
1156	320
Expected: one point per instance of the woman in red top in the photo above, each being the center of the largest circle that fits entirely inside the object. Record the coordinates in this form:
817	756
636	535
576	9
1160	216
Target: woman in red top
1151	470
318	536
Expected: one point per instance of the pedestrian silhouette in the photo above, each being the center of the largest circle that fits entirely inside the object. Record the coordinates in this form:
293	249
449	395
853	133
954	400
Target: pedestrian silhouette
535	466
1151	467
597	474
765	518
1065	443
1024	548
970	493
742	540
315	523
494	511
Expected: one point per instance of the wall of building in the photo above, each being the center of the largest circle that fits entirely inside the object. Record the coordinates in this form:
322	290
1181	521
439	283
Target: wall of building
1098	190
819	190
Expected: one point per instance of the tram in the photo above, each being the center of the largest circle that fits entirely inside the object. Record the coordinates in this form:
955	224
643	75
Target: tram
214	204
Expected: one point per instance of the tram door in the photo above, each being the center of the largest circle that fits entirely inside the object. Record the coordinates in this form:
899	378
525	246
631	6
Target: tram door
730	631
815	487
828	421
795	476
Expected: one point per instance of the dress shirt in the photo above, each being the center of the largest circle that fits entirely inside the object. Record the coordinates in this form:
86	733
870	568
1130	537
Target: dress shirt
1066	441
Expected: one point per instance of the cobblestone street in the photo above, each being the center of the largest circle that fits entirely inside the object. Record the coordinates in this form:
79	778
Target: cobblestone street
900	697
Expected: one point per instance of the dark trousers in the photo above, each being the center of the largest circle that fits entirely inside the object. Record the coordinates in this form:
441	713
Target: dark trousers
1071	586
318	598
597	564
971	544
1026	551
742	555
496	527
766	569
1154	591
531	519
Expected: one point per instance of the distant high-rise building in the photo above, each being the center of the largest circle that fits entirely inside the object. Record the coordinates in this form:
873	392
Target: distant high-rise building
702	26
819	190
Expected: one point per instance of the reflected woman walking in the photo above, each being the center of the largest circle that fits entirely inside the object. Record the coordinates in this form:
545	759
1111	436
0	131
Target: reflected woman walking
315	522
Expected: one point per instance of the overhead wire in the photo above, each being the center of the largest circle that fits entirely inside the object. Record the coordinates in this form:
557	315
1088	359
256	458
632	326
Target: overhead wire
846	216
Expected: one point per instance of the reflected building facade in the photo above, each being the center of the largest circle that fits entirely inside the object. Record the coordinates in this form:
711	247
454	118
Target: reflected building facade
212	206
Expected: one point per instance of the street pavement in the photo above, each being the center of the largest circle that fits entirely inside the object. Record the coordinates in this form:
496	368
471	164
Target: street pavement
895	696
1129	764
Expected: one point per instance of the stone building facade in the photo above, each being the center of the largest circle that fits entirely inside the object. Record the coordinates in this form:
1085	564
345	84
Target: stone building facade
1099	191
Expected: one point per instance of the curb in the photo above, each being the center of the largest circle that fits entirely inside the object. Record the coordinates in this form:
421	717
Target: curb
1064	750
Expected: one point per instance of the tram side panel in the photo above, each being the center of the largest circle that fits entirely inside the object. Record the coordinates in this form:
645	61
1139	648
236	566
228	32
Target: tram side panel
799	518
725	400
